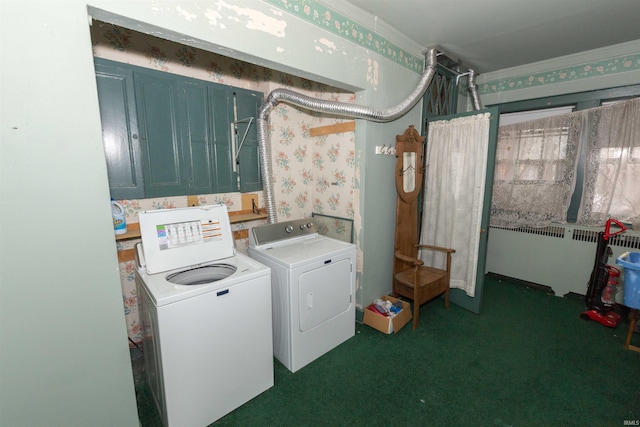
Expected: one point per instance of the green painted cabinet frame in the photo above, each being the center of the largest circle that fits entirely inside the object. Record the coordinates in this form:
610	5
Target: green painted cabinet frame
179	133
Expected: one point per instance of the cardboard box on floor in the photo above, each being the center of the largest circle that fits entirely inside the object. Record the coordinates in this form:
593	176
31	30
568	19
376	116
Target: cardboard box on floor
389	324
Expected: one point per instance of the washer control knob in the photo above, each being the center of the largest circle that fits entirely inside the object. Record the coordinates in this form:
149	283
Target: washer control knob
289	229
309	224
301	226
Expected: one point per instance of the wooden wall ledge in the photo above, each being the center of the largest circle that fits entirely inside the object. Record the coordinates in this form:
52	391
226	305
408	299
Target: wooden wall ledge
125	255
247	215
337	128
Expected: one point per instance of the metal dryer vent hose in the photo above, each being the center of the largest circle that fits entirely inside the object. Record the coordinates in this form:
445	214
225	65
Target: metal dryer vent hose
341	109
473	91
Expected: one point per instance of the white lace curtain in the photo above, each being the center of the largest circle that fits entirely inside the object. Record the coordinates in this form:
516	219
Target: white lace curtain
454	192
612	164
535	171
536	163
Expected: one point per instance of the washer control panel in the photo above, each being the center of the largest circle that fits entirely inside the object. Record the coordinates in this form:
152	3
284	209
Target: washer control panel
176	238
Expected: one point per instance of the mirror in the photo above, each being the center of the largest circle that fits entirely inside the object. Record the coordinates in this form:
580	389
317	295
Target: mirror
408	171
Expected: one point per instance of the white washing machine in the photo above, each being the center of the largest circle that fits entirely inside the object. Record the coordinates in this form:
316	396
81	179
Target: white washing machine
313	289
206	316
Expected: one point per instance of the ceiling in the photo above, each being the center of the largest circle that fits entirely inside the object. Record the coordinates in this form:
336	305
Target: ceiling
489	35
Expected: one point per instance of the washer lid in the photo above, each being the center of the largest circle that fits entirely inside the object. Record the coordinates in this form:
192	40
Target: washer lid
176	238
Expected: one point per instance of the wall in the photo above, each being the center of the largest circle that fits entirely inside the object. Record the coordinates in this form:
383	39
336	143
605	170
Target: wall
261	34
65	358
604	68
611	67
312	174
304	166
64	353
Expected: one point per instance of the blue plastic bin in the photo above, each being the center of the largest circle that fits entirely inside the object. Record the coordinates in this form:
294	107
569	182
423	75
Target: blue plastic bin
630	261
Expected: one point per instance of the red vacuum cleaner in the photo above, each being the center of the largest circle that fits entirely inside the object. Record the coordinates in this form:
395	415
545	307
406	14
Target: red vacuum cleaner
600	300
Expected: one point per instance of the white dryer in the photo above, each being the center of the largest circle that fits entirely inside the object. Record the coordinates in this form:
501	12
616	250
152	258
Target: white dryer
206	316
313	289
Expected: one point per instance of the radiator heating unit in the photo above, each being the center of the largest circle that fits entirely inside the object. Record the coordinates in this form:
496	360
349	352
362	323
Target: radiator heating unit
558	256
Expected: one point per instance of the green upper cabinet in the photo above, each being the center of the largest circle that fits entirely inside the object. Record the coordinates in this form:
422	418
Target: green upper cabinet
180	134
120	131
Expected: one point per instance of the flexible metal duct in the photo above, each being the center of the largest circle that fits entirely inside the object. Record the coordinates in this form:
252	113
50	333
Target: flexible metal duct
342	109
473	91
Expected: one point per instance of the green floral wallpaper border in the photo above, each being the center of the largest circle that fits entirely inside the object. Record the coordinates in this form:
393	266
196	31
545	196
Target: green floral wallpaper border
324	17
620	64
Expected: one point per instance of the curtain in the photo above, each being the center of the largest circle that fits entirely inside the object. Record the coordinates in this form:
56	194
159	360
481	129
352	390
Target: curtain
454	190
535	171
612	164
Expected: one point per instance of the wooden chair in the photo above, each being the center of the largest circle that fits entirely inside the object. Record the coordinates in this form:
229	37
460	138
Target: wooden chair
411	279
632	324
421	283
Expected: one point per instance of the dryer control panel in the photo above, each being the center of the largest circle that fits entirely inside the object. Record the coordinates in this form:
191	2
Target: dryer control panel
270	233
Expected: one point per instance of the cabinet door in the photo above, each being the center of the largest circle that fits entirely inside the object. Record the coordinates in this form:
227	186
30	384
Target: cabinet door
206	123
156	99
247	105
196	137
120	131
221	103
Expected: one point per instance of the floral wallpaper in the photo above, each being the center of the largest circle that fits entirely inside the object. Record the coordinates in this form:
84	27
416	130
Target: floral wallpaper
311	174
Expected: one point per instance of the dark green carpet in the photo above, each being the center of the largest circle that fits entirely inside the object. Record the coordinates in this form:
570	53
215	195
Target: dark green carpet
527	360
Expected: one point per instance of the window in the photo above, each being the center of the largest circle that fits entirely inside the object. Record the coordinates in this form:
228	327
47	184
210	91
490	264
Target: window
535	171
583	165
539	157
541	161
612	164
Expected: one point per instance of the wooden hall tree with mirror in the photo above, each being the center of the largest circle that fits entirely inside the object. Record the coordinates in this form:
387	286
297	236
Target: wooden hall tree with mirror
411	278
